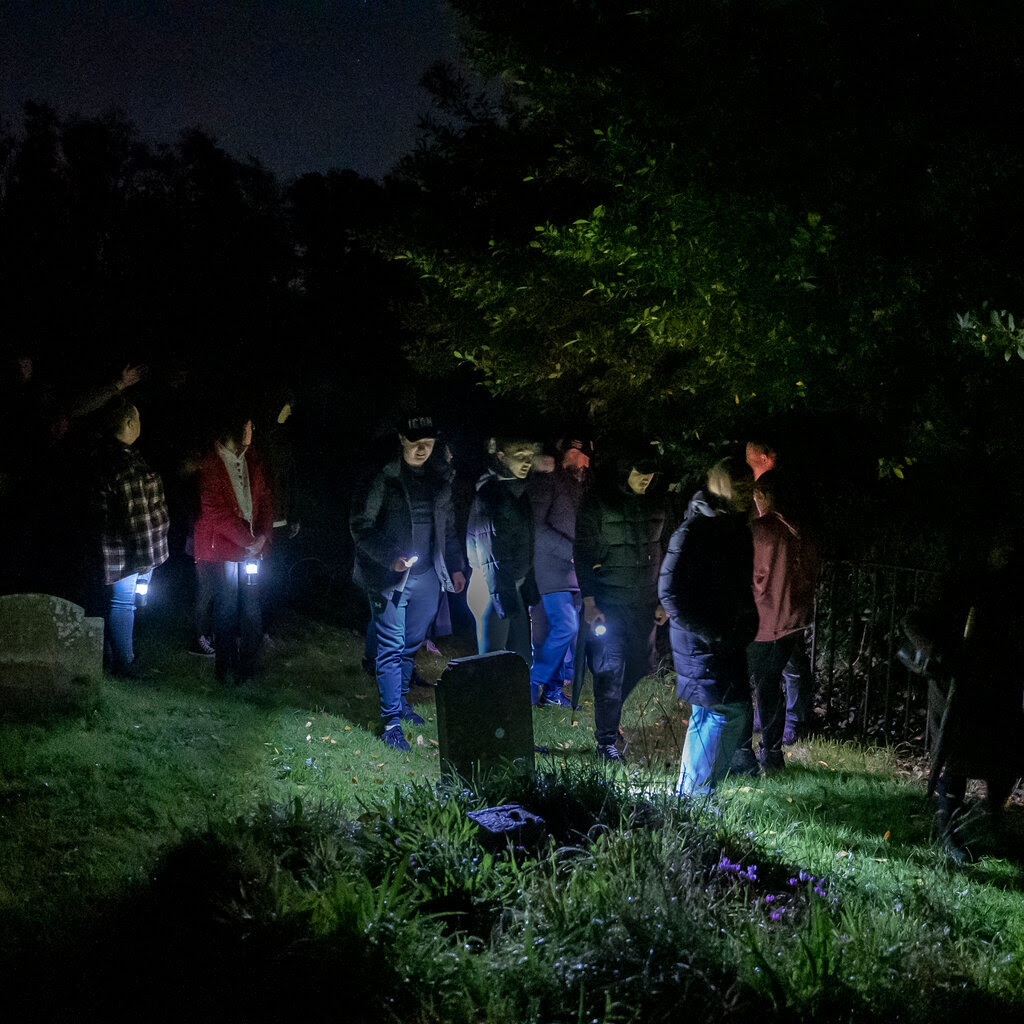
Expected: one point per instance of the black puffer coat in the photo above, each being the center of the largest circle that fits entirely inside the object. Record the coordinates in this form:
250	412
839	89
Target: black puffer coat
619	544
705	585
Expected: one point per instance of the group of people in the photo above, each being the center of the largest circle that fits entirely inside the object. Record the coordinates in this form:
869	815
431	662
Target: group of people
231	536
739	593
80	485
570	566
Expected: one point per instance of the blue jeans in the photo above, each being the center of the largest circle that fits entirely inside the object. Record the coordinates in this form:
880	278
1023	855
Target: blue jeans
711	740
799	682
547	671
400	624
121	618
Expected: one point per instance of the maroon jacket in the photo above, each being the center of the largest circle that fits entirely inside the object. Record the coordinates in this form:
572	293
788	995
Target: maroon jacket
785	574
221	534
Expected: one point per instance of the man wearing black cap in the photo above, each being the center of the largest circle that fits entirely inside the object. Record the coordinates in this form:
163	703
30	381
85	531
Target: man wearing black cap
406	551
619	539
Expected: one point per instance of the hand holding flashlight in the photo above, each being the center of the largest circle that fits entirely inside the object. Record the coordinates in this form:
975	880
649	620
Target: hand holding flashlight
594	617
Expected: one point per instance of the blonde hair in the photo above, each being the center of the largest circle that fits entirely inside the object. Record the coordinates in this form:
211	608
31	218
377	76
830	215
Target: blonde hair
729	480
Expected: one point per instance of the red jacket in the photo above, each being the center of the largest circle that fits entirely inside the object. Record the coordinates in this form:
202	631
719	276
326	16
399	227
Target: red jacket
785	574
221	534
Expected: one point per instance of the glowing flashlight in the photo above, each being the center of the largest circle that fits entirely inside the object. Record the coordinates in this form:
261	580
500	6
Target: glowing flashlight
252	568
410	562
141	593
600	629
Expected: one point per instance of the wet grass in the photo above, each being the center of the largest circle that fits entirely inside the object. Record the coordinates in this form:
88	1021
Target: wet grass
219	853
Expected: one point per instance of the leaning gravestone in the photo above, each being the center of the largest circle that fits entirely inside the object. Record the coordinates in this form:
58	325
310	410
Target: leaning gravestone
51	653
484	717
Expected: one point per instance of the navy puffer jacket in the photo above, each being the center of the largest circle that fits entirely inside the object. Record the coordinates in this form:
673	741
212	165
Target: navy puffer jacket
705	585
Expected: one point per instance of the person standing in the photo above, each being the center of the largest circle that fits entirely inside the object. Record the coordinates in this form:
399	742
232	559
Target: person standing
763	460
555	492
406	552
231	536
132	526
785	576
619	540
704	586
499	543
280	450
968	642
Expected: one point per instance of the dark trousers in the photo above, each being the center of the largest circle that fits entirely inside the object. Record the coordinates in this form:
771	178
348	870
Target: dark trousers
205	586
237	624
618	661
765	661
508	632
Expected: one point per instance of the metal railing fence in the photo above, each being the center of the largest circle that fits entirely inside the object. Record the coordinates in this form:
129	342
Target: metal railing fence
861	691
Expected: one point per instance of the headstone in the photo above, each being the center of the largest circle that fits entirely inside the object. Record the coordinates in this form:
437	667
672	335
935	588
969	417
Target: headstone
51	653
484	716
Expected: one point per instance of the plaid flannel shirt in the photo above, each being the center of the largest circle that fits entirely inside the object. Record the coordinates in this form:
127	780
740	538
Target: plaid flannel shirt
133	516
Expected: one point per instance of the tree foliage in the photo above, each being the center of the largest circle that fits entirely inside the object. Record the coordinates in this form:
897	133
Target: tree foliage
696	217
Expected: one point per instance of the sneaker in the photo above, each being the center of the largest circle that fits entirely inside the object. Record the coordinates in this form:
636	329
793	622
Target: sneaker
395	738
557	699
789	736
408	715
202	648
610	753
772	761
744	762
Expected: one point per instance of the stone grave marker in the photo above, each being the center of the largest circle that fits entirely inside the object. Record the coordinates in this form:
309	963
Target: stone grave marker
51	652
484	716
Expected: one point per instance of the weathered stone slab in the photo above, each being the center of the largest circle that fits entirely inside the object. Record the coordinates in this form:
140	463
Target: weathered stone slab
508	823
484	717
51	653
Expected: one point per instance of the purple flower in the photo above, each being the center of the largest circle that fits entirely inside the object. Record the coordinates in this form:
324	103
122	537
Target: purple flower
776	914
770	898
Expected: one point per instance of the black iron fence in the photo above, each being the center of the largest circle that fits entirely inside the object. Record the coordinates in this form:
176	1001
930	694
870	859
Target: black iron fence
861	691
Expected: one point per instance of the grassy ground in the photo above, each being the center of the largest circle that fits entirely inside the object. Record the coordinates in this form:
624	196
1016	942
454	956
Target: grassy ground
244	853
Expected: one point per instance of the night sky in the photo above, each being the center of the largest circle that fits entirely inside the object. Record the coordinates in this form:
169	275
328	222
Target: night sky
302	86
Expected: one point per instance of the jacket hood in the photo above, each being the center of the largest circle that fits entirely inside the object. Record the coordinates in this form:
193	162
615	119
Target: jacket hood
492	474
485	477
